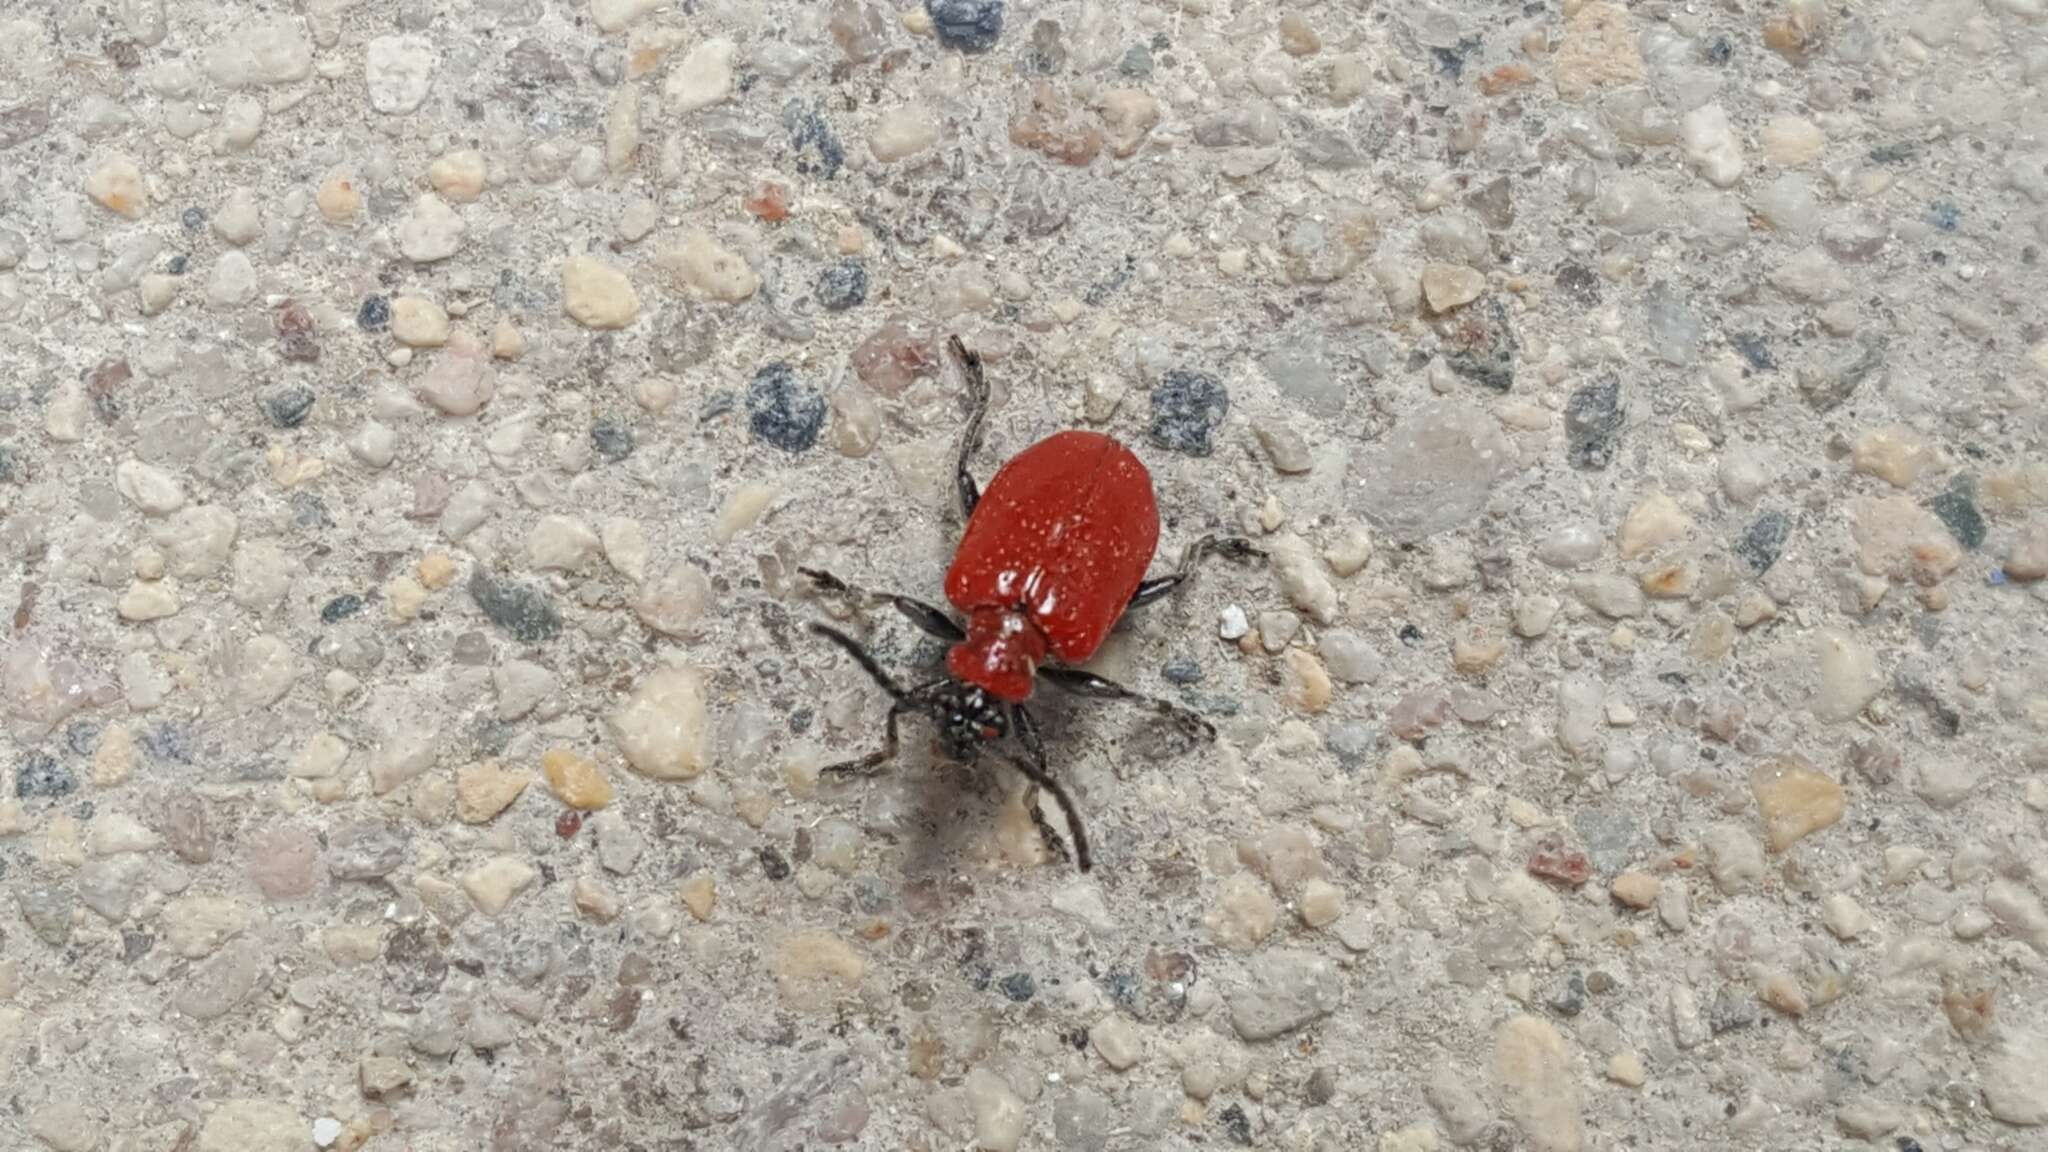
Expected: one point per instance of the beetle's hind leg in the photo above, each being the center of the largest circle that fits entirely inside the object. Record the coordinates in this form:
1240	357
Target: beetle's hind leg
1229	547
1095	687
970	438
929	618
872	763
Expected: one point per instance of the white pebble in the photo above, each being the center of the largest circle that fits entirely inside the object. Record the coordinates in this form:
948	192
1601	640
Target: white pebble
1710	145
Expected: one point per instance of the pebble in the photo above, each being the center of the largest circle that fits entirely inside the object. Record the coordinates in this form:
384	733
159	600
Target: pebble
1450	286
1734	859
1846	677
1285	447
903	131
1844	917
495	883
783	410
699	894
1538	1085
1301	578
431	231
662	728
842	286
151	490
526	613
814	970
968	26
263	50
1598	49
707	268
576	780
1795	800
233	280
2027	559
338	198
1710	145
1593	420
237	221
399	71
2015	1083
460	381
1636	889
1284	990
702	78
1245	914
415	321
1792	141
1188	407
1656	520
1350	657
1116	1042
1615	597
116	185
561	543
459	177
597	295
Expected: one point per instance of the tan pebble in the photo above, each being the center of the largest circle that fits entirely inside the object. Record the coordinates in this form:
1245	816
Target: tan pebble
2027	559
1795	800
1475	655
436	570
594	900
575	780
753	806
116	185
815	969
1844	917
597	295
1116	1042
1128	115
1245	913
1320	903
903	131
1713	636
1308	686
484	789
1448	286
338	198
1598	49
1782	992
1654	521
1297	38
506	341
404	597
458	176
1791	141
494	884
702	265
1894	454
418	322
1753	609
1626	1068
1533	1064
741	509
699	894
1636	889
114	758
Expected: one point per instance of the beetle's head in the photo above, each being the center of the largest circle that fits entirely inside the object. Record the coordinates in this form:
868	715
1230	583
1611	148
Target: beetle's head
967	717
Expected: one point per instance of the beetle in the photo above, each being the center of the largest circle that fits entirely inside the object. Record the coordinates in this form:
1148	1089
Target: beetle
1054	553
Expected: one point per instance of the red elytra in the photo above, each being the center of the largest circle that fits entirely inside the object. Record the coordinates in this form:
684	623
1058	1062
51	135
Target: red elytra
1050	558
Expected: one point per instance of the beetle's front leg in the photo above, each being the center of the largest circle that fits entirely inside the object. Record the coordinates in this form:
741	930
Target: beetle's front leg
929	618
970	438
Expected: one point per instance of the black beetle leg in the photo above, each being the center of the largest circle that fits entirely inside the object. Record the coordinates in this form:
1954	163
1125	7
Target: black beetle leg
1231	547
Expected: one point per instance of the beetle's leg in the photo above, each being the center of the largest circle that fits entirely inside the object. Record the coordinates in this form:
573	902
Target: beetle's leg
1036	771
899	703
1233	547
930	619
970	439
871	764
1095	687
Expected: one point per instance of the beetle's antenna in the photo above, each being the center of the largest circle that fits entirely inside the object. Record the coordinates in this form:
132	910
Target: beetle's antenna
861	657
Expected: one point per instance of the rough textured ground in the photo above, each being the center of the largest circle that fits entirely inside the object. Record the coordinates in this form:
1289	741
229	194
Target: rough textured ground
412	416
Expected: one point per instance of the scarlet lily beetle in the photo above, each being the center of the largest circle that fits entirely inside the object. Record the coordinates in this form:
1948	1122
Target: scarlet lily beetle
1053	555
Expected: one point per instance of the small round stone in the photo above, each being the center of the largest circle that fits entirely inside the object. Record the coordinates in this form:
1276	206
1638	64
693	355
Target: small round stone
1187	408
374	315
842	286
784	411
970	26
